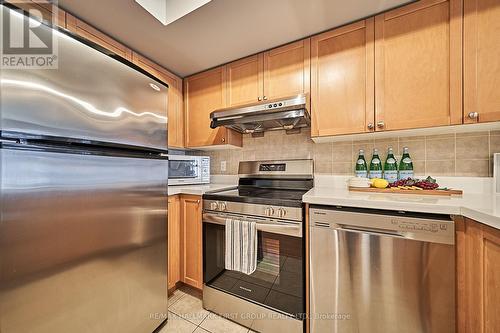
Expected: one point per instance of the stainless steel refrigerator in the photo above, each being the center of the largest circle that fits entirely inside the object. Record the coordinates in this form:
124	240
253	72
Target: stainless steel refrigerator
83	229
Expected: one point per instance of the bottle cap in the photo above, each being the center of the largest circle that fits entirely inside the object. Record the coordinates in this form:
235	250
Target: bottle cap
361	151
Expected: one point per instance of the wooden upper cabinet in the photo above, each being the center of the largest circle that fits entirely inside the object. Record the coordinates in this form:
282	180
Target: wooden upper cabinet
192	272
342	74
481	60
418	62
203	93
175	102
245	80
287	70
85	30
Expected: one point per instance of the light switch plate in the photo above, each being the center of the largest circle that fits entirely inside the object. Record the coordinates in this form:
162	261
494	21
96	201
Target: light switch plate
223	166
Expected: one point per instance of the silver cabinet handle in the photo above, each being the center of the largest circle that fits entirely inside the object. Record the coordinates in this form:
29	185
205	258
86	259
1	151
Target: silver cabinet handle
473	115
223	139
370	126
380	124
265	98
259	98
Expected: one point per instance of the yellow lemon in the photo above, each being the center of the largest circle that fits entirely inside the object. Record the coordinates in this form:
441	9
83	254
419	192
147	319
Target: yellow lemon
380	183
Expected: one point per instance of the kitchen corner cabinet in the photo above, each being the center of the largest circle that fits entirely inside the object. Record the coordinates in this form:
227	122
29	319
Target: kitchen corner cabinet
41	9
342	74
478	276
418	65
287	70
174	241
191	217
175	102
203	93
481	56
85	30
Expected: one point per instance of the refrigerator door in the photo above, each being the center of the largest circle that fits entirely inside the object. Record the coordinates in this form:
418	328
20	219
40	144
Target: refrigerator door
89	97
83	242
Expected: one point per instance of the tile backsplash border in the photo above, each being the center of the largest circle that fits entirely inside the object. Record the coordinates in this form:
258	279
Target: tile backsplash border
455	154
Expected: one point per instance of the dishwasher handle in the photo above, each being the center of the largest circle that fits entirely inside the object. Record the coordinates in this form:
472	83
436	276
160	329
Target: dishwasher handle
372	231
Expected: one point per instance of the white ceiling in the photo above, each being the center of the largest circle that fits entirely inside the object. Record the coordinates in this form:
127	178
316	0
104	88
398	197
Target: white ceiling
222	30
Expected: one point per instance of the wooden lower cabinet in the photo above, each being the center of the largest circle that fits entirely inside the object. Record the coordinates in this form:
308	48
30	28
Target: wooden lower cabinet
478	276
191	217
174	241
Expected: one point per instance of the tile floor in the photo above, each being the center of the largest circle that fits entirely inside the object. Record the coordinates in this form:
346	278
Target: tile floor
186	315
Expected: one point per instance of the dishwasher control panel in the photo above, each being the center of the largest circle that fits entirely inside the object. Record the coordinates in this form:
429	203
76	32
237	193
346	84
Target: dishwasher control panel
423	227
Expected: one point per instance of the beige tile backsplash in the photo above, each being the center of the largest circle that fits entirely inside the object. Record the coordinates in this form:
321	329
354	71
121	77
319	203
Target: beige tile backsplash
462	154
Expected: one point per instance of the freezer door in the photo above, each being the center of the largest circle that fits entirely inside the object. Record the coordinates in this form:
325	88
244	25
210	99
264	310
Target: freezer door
90	96
83	243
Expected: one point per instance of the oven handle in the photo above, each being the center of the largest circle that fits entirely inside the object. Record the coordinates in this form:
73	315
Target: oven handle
289	229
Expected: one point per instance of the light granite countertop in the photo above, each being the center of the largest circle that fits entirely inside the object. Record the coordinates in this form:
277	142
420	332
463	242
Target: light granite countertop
483	206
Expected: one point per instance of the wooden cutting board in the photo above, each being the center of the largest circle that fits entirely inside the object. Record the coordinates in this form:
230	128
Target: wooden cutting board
401	191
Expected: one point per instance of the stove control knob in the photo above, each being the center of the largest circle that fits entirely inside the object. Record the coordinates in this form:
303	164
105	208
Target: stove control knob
222	206
281	212
214	205
269	211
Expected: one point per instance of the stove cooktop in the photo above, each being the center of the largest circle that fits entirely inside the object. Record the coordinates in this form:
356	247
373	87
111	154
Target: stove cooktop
276	197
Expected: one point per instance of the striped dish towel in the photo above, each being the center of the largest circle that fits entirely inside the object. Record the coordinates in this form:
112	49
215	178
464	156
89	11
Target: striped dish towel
241	246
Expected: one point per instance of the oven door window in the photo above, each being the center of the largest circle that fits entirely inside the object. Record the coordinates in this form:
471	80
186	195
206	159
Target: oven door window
182	169
277	282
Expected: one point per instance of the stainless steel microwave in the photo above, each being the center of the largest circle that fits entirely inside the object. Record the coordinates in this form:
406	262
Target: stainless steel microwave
188	170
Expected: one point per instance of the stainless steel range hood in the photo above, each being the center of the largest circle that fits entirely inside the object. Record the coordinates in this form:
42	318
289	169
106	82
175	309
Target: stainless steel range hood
286	113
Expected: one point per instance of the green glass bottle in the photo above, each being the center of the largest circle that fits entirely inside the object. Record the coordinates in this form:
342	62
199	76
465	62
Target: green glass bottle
406	165
375	165
361	168
390	167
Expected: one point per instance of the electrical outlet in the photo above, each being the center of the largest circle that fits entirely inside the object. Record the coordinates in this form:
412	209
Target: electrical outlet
223	165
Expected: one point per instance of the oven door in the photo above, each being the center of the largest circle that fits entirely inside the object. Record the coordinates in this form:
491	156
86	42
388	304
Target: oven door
278	282
183	170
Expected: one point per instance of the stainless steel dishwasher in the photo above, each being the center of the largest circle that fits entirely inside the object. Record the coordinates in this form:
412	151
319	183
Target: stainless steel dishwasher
381	271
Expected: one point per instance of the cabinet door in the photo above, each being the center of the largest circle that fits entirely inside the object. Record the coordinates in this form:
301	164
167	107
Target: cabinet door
43	10
203	93
85	30
481	60
192	241
482	278
174	241
287	70
175	104
418	76
245	80
342	89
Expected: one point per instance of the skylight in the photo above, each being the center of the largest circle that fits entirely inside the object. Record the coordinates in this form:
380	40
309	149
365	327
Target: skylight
168	11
